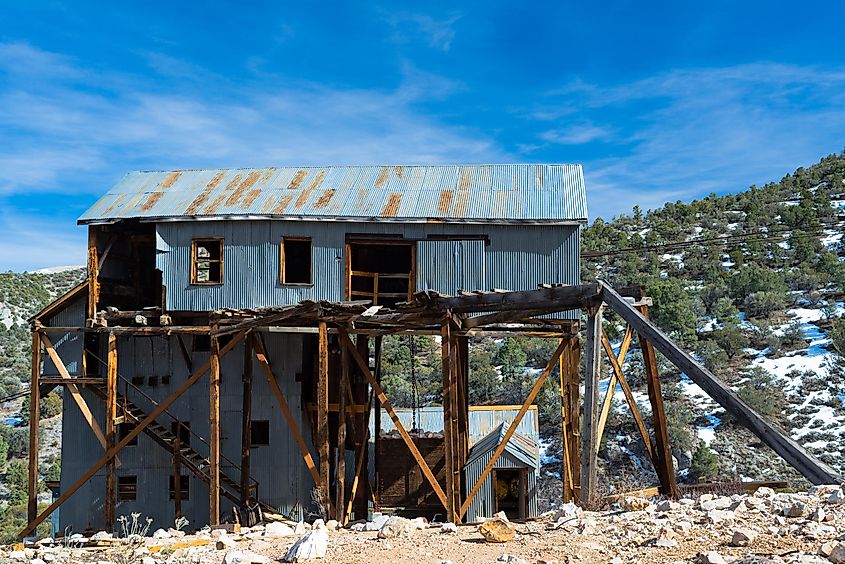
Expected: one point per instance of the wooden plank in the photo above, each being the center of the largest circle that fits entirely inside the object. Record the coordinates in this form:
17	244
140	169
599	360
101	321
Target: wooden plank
246	422
574	419
385	403
377	343
111	414
448	430
629	397
137	430
340	467
360	495
93	273
359	464
810	467
592	375
500	317
565	460
214	433
264	362
453	412
323	411
186	356
614	381
532	395
545	299
34	419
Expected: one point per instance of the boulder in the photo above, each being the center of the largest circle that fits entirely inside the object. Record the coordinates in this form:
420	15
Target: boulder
631	503
743	537
276	529
397	527
301	528
244	557
711	557
225	542
449	528
332	525
717	516
161	534
378	521
795	509
837	497
837	554
312	544
318	524
497	529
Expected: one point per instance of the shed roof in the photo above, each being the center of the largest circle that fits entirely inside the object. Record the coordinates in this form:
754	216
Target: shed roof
502	193
519	446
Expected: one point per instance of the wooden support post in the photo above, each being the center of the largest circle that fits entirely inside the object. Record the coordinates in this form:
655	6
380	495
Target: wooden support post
565	407
589	445
323	411
214	434
93	272
463	400
177	472
532	395
360	493
361	475
574	419
454	397
137	430
340	467
246	422
377	426
385	403
111	415
448	429
614	381
662	453
34	419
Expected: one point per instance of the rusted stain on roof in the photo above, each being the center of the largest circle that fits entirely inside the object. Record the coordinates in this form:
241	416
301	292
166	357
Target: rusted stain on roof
151	201
250	180
466	180
268	174
399	171
305	194
391	208
114	204
170	179
297	179
461	203
251	197
203	196
282	203
216	180
361	201
214	206
383	175
324	199
444	202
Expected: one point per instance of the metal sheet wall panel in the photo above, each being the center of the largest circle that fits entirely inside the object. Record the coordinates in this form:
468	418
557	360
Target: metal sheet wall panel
67	345
447	266
483	504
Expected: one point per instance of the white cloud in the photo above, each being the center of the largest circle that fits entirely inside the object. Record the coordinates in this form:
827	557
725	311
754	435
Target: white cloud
576	134
438	32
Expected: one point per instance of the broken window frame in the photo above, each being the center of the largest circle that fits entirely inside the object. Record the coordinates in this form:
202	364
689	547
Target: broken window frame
184	489
254	432
196	261
283	261
127	488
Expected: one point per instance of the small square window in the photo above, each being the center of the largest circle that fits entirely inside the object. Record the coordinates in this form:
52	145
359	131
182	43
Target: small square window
184	488
137	380
259	433
123	430
127	488
295	260
207	261
152	381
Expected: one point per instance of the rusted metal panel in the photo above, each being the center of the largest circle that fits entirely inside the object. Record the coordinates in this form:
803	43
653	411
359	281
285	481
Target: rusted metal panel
454	193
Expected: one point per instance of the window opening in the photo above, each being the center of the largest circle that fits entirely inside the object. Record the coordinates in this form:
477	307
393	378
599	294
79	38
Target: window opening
207	261
295	260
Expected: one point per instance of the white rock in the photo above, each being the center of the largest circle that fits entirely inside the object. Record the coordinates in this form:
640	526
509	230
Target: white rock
148	560
378	521
817	515
837	497
358	527
312	544
301	528
397	527
717	516
797	509
276	529
225	541
421	523
18	555
244	557
711	557
666	543
37	561
318	524
448	528
764	492
743	537
332	525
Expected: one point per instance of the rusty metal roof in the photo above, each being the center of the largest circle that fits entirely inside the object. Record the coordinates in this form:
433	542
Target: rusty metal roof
461	193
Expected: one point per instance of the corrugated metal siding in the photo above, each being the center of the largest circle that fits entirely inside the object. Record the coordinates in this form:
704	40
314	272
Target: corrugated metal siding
481	193
447	266
482	420
516	258
67	345
284	480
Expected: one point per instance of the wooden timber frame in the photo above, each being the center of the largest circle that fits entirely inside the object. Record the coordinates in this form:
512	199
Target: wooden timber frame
455	319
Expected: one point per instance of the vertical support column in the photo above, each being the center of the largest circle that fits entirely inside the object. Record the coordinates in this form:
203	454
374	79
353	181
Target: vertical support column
111	414
214	433
454	396
340	467
93	273
323	411
34	418
565	407
246	422
377	425
361	494
589	442
177	472
574	420
662	453
448	431
463	400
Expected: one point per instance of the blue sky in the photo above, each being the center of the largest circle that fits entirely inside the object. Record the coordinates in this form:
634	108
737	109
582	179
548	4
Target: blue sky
670	102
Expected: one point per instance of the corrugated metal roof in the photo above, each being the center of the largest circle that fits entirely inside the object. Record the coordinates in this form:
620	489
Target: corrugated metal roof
520	446
478	193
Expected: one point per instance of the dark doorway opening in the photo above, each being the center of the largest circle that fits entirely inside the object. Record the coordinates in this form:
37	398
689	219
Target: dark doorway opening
509	488
382	271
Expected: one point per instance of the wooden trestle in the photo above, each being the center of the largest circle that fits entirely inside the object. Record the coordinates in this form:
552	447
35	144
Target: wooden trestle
344	372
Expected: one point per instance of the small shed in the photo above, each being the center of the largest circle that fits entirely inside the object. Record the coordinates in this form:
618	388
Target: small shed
512	484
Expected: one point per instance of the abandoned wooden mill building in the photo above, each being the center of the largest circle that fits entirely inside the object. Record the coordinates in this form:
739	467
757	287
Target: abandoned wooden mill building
225	348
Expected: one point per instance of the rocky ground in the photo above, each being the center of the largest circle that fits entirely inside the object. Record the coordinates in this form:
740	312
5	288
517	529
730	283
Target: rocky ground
761	527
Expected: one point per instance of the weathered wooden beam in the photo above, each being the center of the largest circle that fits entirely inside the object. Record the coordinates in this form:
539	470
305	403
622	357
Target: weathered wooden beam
592	376
574	415
111	415
246	422
323	411
264	362
360	470
376	493
214	434
340	466
137	430
611	386
385	403
532	395
629	397
448	430
500	317
93	273
34	419
559	298
810	467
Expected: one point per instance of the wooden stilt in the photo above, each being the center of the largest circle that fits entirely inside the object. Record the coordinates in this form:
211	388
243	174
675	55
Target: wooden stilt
34	419
214	434
177	472
137	430
323	411
614	381
359	493
448	430
662	451
565	461
574	420
111	414
340	467
246	422
454	397
532	395
361	475
93	273
589	445
376	494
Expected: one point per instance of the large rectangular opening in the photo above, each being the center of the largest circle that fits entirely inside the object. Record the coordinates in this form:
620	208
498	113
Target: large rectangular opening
380	270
